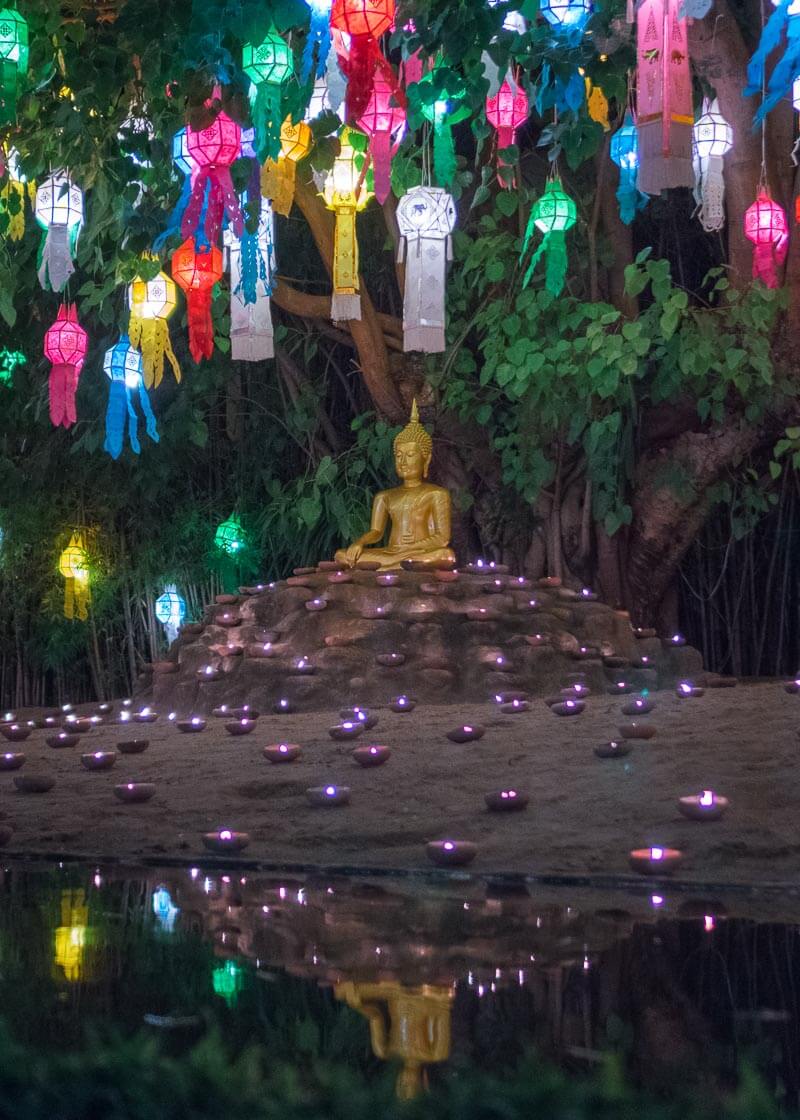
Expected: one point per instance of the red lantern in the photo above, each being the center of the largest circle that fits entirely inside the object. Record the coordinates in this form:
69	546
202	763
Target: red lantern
65	347
364	21
213	150
384	121
197	273
507	111
766	225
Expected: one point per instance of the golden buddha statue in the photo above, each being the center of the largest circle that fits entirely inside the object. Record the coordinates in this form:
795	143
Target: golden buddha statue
419	511
408	1024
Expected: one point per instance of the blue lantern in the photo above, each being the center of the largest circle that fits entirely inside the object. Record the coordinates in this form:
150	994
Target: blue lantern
625	154
319	36
566	15
124	367
170	611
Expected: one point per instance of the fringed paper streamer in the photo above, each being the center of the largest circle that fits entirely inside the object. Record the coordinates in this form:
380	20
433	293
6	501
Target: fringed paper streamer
65	344
664	98
552	214
335	82
123	366
196	274
73	564
384	121
713	137
151	303
447	109
625	153
426	217
59	213
766	225
783	23
506	112
278	177
213	149
268	66
345	193
12	195
252	268
318	40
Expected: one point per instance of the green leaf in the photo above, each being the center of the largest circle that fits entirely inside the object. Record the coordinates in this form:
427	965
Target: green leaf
507	202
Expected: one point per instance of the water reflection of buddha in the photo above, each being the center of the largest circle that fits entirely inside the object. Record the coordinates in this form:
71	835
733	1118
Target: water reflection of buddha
418	511
408	1024
70	937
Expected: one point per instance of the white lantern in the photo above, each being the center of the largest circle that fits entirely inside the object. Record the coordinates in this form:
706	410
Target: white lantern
426	216
59	212
170	611
135	129
251	287
712	137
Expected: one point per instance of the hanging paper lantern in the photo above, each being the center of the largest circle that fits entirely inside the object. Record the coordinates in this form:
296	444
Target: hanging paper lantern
664	97
268	66
597	104
70	935
184	163
170	611
229	537
278	177
448	107
59	212
625	153
384	121
765	224
9	360
364	21
197	273
783	24
318	39
426	216
552	214
566	15
512	21
345	193
135	132
151	303
65	344
12	195
252	268
13	60
507	111
213	150
123	366
713	137
73	564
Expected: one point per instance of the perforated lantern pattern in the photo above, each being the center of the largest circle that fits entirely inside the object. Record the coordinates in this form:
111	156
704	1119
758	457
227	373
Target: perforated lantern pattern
345	194
712	138
181	156
552	214
14	38
151	303
213	149
229	537
507	111
765	224
426	216
270	61
59	211
219	143
384	121
712	135
73	564
363	17
278	177
566	15
555	210
124	368
65	345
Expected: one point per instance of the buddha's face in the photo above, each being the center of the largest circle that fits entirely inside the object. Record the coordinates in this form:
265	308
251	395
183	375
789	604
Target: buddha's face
409	462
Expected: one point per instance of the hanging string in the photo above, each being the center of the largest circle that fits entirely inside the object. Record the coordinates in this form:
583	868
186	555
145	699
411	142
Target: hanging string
762	181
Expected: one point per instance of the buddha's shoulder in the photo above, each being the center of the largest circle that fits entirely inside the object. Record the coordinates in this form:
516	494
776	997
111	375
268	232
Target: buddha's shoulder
404	493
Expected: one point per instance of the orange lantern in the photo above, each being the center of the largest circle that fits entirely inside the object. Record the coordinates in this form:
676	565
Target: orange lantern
197	273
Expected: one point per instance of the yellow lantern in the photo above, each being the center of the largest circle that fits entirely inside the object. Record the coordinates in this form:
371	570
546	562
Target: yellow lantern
70	939
15	187
151	303
345	193
74	567
278	176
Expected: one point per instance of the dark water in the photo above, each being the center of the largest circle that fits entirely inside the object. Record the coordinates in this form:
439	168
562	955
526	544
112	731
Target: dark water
429	977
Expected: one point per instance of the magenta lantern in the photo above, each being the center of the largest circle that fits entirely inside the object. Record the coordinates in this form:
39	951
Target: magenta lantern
766	225
507	111
213	150
65	347
384	121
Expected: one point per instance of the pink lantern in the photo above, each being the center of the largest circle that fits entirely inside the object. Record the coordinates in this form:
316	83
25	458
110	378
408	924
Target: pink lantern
384	121
507	111
213	150
766	225
65	347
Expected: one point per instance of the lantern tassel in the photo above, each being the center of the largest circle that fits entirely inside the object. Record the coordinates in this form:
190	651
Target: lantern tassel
116	414
277	184
201	328
380	146
444	152
222	200
345	302
709	193
360	71
8	92
55	260
69	597
150	425
63	385
151	336
319	40
266	113
12	204
629	197
423	295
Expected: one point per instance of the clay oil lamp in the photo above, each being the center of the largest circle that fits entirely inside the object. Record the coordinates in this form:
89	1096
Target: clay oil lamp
347	729
535	639
126	703
133	746
241	726
50	721
529	605
124	717
244	712
377	612
792	686
9	717
519	583
390	660
644	632
79	725
305	571
402	704
373	755
232	650
328	795
228	619
568	707
12	760
638	706
655	861
15	732
316	604
340	577
614	748
34	783
479	614
451	853
303	667
387	579
363	715
676	640
146	715
261	650
584	653
368	566
549	581
514	707
191	725
281	752
577	688
134	792
6	832
105	708
506	801
686	690
506	695
442	575
586	595
284	706
221	712
637	730
620	688
704	806
499	663
63	739
494	587
467	733
98	760
207	673
225	840
67	708
95	721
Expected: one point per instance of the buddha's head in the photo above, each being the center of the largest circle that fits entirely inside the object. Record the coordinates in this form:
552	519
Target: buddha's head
413	448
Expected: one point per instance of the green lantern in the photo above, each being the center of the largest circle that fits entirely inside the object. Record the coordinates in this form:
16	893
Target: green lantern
552	214
268	66
442	99
13	60
227	981
229	537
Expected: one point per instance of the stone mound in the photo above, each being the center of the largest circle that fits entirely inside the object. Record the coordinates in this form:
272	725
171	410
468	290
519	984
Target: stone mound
325	640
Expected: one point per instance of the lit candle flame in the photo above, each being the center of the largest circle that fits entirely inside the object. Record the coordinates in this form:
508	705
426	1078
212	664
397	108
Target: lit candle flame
707	797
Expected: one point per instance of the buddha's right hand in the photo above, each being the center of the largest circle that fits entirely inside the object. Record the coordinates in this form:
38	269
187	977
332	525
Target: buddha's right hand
353	553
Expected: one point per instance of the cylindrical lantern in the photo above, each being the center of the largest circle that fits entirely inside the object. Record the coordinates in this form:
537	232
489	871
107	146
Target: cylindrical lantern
252	267
124	369
213	150
665	113
59	212
384	121
552	214
268	66
765	224
170	611
625	153
65	346
151	303
278	177
73	564
713	137
566	15
345	194
507	111
197	273
364	21
426	216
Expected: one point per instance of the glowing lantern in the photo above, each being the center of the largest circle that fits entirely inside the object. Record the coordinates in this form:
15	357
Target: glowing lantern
625	154
766	226
384	121
12	196
197	273
13	60
65	344
507	111
713	137
552	214
318	39
278	177
783	24
170	611
319	101
448	107
151	303
252	269
364	21
73	564
59	212
229	537
70	936
135	131
185	164
213	150
665	115
227	982
426	216
268	66
345	193
164	909
566	15
9	360
123	366
181	156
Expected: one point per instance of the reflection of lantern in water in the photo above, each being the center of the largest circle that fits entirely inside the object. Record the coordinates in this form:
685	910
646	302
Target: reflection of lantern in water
227	980
151	303
73	564
59	212
70	936
345	193
426	217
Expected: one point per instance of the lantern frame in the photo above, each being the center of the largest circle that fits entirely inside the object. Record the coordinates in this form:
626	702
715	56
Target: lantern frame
196	271
363	17
59	202
712	135
229	536
170	607
566	15
624	148
73	563
14	38
217	145
271	61
344	178
765	221
153	299
65	340
426	212
122	363
554	211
